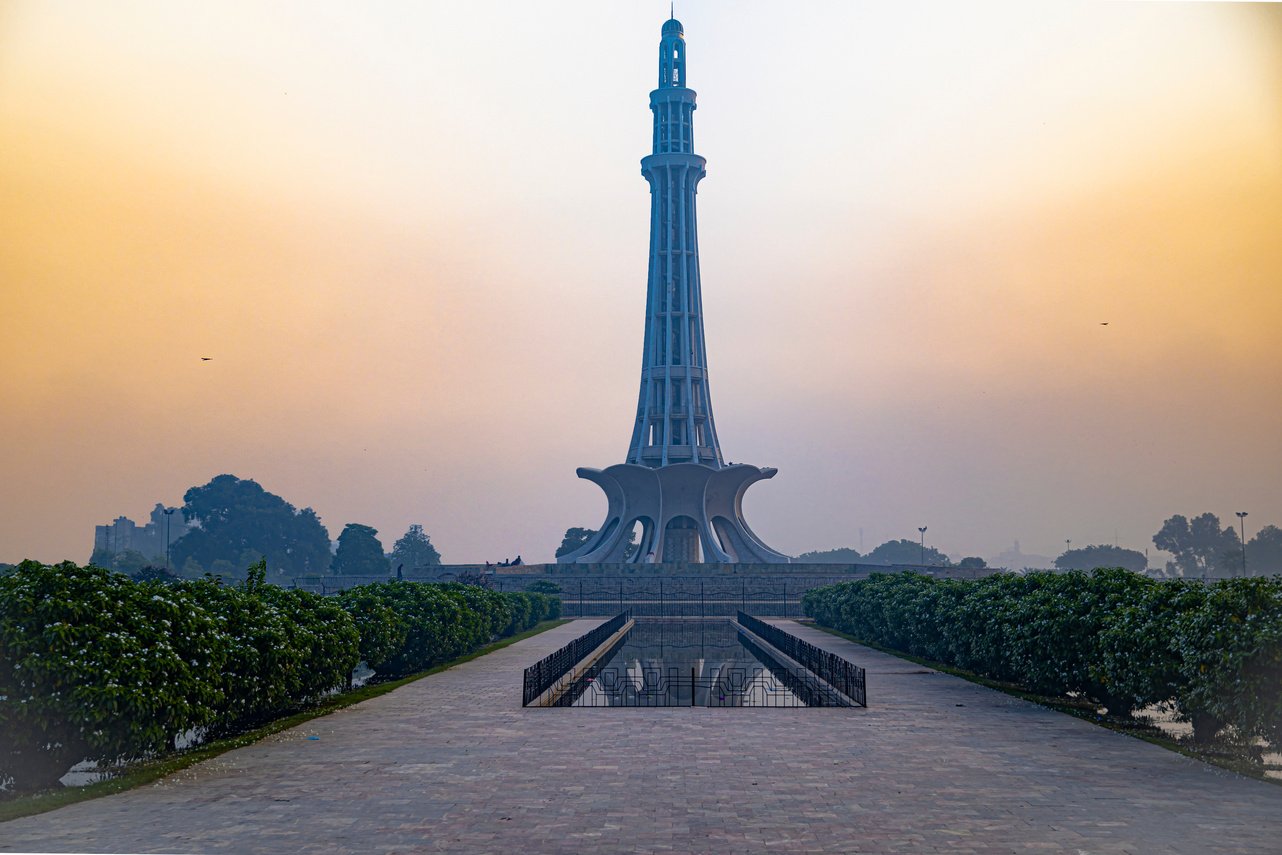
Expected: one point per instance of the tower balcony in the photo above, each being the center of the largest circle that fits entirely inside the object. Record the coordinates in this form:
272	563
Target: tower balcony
653	454
670	94
656	414
661	370
653	162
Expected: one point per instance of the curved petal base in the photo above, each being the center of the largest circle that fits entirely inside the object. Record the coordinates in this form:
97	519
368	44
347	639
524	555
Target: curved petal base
683	509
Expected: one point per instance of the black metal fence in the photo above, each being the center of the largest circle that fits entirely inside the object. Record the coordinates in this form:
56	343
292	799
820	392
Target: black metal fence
540	676
844	676
693	663
677	597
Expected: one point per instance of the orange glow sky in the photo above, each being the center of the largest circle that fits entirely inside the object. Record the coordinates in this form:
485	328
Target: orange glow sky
413	237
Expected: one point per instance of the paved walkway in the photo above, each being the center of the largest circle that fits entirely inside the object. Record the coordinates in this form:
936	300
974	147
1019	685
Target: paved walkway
453	763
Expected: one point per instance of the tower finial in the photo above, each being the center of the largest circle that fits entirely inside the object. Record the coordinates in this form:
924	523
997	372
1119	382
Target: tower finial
672	10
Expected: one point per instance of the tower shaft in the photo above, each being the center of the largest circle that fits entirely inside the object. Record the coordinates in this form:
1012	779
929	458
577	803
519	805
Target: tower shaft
674	422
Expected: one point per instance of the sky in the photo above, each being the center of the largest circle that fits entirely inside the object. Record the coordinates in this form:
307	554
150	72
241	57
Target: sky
412	238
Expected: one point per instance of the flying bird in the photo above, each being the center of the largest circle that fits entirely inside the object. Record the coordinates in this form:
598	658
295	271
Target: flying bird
205	358
1103	323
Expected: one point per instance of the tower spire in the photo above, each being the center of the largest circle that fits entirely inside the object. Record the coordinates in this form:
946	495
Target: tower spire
672	55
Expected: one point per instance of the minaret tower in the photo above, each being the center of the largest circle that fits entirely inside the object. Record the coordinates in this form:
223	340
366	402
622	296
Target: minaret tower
674	410
674	487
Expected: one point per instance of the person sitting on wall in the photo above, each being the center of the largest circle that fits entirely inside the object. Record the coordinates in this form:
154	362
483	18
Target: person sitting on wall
516	561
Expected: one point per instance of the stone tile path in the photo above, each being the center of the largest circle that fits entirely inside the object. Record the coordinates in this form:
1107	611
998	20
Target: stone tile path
453	763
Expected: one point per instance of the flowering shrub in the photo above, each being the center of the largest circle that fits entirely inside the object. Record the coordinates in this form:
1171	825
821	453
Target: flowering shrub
1055	628
1139	659
95	665
1230	659
410	626
1116	637
381	626
528	608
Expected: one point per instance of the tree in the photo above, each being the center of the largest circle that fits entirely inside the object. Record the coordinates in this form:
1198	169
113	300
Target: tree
542	586
415	550
234	518
359	552
577	537
972	563
128	561
191	569
1202	546
1264	552
153	573
1104	555
906	552
840	555
224	569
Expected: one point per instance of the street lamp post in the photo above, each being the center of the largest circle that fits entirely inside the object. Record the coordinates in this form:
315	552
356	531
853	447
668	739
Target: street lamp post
169	512
1241	518
922	529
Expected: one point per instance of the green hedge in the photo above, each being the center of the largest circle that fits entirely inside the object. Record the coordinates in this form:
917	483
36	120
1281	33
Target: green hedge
281	648
94	665
1121	639
528	608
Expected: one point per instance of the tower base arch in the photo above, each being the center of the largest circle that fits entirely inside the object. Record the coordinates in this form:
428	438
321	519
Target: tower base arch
699	508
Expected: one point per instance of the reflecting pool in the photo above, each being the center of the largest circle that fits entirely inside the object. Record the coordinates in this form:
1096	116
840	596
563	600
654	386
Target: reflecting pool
695	663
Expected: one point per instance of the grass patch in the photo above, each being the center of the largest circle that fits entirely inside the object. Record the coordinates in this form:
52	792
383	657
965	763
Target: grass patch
148	771
1087	711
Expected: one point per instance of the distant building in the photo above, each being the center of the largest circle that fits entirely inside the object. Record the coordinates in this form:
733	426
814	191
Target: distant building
124	534
1014	559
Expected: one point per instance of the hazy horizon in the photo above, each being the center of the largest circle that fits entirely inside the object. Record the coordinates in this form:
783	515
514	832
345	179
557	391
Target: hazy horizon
413	236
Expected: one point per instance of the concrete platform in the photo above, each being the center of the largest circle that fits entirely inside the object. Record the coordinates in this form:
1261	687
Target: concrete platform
453	763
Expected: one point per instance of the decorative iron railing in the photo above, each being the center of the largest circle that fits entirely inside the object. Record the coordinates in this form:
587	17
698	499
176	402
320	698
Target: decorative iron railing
540	676
735	686
844	676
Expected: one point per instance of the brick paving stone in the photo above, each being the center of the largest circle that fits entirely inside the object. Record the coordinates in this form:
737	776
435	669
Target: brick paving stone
452	763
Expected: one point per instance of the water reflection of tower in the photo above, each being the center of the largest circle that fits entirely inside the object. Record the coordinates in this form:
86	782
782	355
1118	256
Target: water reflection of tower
675	490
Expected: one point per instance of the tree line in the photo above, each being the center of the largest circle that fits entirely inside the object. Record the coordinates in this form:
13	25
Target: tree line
901	551
237	523
1206	548
1203	548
